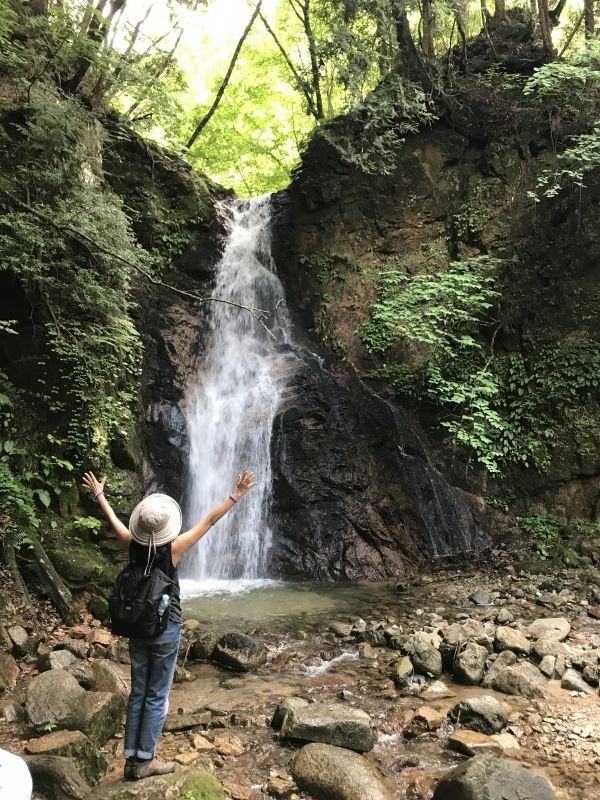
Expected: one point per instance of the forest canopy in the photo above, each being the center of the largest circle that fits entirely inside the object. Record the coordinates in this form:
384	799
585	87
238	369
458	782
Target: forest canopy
239	86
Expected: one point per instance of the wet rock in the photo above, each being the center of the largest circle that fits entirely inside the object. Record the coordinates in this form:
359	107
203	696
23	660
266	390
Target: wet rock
511	639
55	698
202	645
184	722
332	773
469	664
185	782
9	671
107	677
229	745
103	712
330	723
89	762
239	652
402	671
425	720
472	743
484	714
341	629
550	628
491	778
280	785
289	704
572	681
426	658
521	679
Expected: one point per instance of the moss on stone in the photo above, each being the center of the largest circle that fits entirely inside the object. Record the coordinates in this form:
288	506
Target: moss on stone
201	786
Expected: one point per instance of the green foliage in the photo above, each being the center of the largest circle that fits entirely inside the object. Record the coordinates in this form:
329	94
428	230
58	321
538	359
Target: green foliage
543	530
371	135
571	88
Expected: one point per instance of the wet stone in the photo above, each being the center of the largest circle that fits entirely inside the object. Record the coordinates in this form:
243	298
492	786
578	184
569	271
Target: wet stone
484	714
330	723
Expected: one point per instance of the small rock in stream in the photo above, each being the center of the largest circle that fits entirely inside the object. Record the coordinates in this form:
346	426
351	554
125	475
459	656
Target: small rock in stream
492	778
484	714
481	598
330	723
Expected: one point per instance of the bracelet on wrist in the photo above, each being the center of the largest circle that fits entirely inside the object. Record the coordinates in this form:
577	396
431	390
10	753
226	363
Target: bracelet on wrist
96	496
235	499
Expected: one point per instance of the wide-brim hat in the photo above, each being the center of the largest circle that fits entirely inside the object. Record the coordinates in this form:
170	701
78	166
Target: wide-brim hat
156	520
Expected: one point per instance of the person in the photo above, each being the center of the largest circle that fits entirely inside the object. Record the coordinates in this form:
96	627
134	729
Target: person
154	533
15	778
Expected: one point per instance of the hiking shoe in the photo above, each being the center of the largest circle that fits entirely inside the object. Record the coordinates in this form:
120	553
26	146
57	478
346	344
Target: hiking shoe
153	767
128	770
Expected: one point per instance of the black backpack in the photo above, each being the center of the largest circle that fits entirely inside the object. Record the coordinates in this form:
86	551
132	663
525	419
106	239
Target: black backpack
135	600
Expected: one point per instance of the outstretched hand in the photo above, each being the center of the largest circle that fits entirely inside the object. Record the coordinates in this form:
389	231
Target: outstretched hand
245	481
92	484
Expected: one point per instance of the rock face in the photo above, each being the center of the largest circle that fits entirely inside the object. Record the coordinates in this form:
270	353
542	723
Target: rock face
355	495
332	773
490	778
73	744
239	652
332	723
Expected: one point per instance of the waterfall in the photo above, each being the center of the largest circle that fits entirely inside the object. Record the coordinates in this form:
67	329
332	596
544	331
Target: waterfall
233	402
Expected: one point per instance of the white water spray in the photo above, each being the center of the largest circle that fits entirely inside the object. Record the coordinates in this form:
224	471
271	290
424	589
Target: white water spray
233	403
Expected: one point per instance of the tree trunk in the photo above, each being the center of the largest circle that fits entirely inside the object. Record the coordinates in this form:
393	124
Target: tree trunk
50	581
96	33
314	61
545	27
428	20
206	118
499	10
57	776
588	15
410	63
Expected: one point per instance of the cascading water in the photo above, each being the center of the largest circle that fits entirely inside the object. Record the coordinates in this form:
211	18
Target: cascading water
232	405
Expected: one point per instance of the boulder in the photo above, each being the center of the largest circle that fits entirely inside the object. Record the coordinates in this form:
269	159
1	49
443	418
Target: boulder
185	722
511	639
521	679
283	708
505	659
484	714
55	698
202	644
330	723
547	665
547	646
239	652
9	671
572	681
490	778
107	677
186	783
332	773
550	628
425	656
89	762
469	664
103	712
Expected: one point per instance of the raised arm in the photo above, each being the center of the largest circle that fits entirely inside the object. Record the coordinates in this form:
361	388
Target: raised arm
96	487
244	483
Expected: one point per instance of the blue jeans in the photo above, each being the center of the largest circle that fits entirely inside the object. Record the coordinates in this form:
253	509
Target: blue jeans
153	663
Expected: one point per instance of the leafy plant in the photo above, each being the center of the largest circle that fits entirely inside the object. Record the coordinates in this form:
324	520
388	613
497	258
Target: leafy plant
543	530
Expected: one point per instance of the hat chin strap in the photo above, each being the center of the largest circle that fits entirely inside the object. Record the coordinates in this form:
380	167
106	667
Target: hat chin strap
151	552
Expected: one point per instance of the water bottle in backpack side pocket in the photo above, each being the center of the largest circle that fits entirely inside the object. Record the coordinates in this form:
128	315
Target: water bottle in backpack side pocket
163	605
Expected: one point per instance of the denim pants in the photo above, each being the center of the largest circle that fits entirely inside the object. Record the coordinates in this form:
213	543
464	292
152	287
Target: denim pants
153	663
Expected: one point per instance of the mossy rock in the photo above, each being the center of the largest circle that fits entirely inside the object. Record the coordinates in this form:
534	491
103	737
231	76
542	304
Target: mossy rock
186	783
201	786
81	563
534	567
570	558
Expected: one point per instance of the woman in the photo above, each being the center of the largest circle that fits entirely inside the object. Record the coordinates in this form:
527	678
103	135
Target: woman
153	532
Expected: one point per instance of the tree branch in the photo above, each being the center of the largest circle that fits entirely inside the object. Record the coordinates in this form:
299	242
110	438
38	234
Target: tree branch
89	243
206	118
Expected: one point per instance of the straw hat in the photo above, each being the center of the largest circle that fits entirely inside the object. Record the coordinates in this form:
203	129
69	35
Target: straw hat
156	520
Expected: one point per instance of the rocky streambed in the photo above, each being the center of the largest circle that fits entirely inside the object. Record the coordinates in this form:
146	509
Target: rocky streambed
445	687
